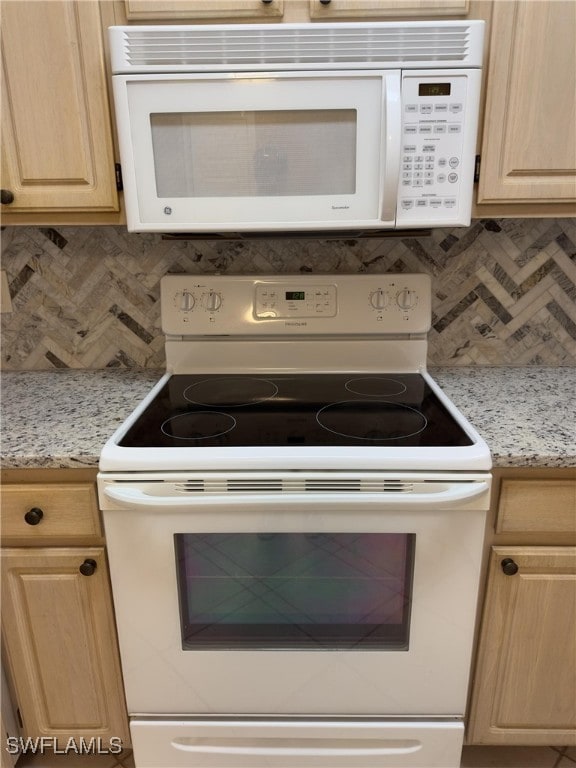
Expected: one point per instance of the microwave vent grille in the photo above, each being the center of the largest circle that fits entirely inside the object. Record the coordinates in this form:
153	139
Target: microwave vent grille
286	47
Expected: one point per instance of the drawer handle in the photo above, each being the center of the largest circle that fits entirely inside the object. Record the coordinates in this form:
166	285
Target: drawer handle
88	567
34	516
509	566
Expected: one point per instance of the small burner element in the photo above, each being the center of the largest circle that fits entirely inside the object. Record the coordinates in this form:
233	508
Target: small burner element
198	425
375	386
371	420
230	391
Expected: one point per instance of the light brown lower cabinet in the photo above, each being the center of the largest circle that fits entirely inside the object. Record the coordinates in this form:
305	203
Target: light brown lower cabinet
524	688
58	628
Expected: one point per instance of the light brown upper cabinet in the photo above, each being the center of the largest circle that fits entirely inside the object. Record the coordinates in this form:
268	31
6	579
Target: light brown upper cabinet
57	150
334	9
202	10
529	140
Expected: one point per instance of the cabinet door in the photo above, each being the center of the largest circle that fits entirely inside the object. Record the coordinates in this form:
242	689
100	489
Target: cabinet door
526	670
59	634
199	10
529	142
330	9
57	151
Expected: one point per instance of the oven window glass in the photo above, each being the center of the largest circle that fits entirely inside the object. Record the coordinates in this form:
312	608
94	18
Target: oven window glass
254	154
295	590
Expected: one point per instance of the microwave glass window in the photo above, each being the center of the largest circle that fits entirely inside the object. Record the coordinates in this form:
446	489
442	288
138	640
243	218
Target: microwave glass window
295	590
255	154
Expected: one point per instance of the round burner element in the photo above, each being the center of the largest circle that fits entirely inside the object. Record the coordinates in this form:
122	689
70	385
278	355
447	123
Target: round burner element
198	425
230	391
375	386
374	420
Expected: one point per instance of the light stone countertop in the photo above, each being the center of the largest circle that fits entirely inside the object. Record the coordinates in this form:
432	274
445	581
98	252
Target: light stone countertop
62	418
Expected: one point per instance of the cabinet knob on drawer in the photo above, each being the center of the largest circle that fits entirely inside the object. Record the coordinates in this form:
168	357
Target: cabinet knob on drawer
325	2
88	567
6	196
509	566
33	516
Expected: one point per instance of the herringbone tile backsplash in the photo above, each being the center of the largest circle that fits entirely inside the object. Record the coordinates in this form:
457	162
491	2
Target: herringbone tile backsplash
504	291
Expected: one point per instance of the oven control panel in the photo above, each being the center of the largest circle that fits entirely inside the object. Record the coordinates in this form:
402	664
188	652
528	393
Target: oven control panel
197	305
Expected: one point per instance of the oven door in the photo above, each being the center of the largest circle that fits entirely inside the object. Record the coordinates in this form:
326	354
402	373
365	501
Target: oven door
255	600
253	151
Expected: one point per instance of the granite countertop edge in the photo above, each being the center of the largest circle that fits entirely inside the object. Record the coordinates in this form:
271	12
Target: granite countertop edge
61	419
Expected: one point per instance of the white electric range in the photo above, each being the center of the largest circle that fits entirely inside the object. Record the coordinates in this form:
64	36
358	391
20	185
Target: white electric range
294	519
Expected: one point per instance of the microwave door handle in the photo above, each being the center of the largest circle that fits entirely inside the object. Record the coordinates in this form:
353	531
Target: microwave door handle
391	144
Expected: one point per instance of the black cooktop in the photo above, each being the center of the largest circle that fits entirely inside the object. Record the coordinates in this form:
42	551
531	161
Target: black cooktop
290	410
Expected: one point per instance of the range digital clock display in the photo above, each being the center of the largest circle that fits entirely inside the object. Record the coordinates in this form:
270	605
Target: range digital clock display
434	89
295	295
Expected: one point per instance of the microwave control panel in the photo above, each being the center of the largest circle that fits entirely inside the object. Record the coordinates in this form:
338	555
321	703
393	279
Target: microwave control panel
439	121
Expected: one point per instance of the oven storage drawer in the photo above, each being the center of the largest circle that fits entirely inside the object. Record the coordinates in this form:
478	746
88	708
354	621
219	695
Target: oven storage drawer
296	743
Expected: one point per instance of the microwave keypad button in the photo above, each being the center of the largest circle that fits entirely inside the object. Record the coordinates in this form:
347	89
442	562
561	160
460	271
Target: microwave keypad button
429	148
440	128
418	166
407	204
454	162
410	129
442	162
409	148
419	159
428	175
425	129
407	159
455	108
449	202
454	128
429	158
441	178
421	203
435	203
411	108
426	109
452	178
406	175
428	182
420	175
417	183
406	182
406	166
429	166
440	107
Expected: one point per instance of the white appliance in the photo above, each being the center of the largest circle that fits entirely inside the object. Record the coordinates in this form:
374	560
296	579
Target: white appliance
294	520
358	126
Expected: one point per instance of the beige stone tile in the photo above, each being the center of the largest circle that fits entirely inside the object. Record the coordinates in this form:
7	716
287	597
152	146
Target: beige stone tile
66	761
509	757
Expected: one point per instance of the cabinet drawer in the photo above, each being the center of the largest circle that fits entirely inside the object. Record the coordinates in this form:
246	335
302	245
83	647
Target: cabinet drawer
42	513
537	506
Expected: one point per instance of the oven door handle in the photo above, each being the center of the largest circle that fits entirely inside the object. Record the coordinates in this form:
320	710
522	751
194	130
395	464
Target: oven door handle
450	494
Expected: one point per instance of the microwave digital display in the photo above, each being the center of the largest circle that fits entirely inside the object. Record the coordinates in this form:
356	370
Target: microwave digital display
434	89
295	295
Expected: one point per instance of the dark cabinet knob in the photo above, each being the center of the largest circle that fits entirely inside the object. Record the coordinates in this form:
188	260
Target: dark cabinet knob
509	566
33	516
325	2
266	2
6	197
88	567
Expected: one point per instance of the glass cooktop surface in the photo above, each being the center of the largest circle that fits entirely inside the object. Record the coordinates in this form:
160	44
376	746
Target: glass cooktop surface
290	410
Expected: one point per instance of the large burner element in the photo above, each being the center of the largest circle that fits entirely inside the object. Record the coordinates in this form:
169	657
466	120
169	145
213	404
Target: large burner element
399	410
375	420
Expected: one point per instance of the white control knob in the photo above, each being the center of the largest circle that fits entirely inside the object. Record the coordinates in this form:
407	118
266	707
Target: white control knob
406	299
187	301
379	299
212	301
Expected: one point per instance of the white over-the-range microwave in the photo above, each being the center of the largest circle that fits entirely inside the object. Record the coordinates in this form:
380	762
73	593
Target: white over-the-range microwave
297	127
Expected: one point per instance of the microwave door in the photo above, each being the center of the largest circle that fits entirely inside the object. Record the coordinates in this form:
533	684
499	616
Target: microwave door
255	151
